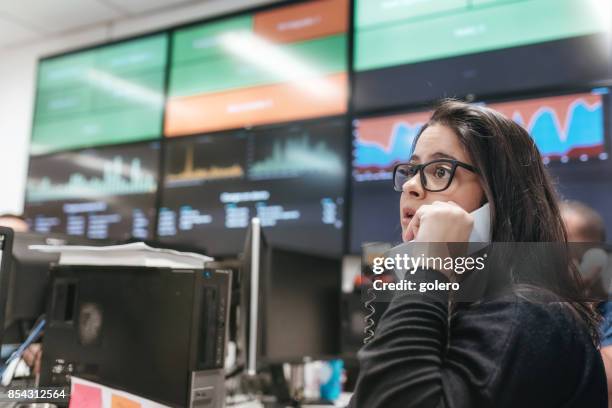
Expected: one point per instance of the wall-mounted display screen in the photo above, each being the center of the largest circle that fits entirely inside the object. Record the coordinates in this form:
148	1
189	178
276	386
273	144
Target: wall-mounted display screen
409	51
290	176
567	129
379	143
573	133
101	193
278	65
564	127
106	95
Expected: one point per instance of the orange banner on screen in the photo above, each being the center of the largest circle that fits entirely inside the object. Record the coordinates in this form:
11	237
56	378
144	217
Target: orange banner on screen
378	129
303	21
257	105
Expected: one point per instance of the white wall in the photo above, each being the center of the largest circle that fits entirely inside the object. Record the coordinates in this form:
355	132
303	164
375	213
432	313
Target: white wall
17	82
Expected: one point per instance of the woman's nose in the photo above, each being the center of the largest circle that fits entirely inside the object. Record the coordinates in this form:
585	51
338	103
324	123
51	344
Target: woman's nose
413	186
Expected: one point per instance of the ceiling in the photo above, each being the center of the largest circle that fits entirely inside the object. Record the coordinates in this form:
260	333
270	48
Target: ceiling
27	21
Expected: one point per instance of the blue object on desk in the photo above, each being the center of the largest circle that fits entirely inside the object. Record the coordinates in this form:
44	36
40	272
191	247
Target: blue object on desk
7	350
332	388
34	334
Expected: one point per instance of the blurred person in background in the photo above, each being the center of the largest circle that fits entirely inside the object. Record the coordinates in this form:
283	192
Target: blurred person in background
584	224
15	222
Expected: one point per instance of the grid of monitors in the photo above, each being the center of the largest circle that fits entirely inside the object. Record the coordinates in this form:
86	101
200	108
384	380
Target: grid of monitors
262	97
292	177
416	51
278	65
106	95
101	193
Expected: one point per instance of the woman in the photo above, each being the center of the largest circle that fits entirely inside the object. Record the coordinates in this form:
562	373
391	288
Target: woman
505	351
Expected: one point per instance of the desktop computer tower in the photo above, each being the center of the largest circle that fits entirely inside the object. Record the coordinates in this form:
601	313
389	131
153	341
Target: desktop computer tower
158	333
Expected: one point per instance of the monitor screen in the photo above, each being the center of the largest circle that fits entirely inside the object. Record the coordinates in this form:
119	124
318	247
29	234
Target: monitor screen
292	177
570	130
272	66
379	143
289	304
409	51
101	193
566	127
105	95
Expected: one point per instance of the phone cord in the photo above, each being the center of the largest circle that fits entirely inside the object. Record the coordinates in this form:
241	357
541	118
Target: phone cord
369	317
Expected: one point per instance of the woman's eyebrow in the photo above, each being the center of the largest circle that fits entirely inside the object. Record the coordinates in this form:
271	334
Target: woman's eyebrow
442	155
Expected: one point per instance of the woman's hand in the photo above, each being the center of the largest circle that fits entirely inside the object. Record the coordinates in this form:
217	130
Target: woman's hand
440	222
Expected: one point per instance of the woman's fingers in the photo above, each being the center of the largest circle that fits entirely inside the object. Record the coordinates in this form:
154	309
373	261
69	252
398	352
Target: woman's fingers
414	224
440	221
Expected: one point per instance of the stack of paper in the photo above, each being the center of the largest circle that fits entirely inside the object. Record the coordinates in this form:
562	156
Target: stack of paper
135	254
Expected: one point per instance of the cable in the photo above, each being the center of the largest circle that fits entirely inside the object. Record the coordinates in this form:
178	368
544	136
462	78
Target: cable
369	317
34	334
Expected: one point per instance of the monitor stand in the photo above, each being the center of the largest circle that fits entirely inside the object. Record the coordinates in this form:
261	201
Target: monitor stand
280	388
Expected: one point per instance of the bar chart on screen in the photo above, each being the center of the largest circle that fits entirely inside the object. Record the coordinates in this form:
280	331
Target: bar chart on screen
293	156
100	193
206	159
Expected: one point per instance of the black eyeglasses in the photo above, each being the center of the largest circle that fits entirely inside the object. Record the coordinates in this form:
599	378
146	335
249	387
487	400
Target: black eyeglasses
436	175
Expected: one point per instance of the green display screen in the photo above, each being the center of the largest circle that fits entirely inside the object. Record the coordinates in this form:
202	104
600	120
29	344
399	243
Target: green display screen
106	95
203	49
398	32
276	65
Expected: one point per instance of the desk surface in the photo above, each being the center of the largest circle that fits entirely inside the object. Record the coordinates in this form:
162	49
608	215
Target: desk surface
25	384
16	384
343	401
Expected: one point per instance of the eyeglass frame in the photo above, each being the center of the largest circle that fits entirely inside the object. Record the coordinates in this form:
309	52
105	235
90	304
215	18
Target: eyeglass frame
420	167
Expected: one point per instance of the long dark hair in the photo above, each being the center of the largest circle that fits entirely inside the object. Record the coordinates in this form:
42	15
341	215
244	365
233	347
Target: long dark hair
523	201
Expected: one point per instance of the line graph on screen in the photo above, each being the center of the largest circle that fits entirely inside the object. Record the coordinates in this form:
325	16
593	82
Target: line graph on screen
563	127
382	142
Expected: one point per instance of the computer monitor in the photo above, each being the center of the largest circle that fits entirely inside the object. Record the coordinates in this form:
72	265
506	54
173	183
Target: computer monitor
571	129
276	65
96	193
6	248
290	304
103	95
292	177
573	132
379	143
409	52
27	282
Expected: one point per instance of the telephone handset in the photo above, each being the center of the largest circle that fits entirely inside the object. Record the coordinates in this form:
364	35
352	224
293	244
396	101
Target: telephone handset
481	234
481	231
